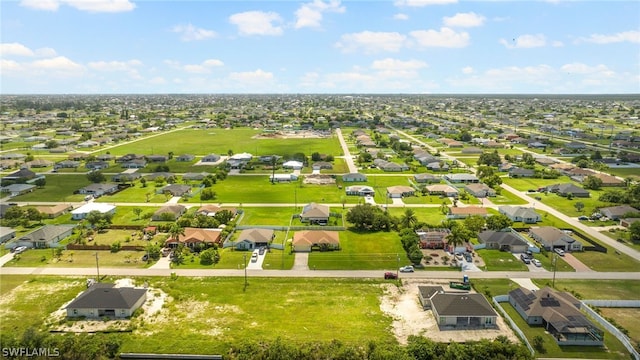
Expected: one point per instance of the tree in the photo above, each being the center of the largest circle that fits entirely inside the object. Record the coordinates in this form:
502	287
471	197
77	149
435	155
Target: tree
634	232
538	344
596	155
579	206
444	208
143	181
40	182
528	159
498	222
209	256
474	223
492	181
408	219
490	159
137	211
154	251
175	231
96	177
223	216
458	236
415	255
207	194
34	215
592	182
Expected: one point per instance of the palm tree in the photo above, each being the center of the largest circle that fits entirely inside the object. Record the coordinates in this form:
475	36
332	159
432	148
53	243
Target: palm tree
458	236
408	219
175	231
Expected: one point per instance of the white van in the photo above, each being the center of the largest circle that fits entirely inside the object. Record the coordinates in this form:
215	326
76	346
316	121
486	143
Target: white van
19	249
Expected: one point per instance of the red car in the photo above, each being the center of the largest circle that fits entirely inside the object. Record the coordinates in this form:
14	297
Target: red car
390	275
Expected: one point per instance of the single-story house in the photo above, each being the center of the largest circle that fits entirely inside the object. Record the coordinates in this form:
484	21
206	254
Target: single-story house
389	166
54	211
458	310
559	313
195	176
129	157
315	214
99	189
433	238
39	163
437	166
426	178
442	189
96	165
568	188
319	165
194	236
172	212
250	239
175	189
609	181
126	176
6	234
354	177
618	212
626	222
157	158
185	158
283	177
45	237
523	214
211	158
463	212
520	172
480	190
107	300
545	161
503	240
17	189
360	190
20	175
400	191
553	238
84	210
461	178
134	164
66	164
305	241
292	164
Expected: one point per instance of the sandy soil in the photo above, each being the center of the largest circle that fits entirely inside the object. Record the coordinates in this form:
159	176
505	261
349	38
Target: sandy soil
403	305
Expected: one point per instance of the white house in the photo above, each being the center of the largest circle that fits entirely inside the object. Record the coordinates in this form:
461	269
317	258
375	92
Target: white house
292	164
107	300
82	212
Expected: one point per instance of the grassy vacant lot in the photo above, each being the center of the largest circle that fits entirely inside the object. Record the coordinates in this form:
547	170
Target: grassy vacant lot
210	313
78	259
269	215
361	250
58	188
507	198
501	261
428	215
625	172
136	194
626	318
220	141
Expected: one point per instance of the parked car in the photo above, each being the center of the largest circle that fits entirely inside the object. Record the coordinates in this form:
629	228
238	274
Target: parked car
262	250
145	257
390	275
525	258
468	257
407	268
583	218
20	249
536	262
559	252
459	257
254	257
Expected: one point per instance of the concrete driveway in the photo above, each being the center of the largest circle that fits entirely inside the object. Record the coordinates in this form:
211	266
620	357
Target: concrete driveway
301	261
6	258
258	264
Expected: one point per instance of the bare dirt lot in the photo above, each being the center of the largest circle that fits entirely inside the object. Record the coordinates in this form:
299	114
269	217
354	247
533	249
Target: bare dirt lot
403	305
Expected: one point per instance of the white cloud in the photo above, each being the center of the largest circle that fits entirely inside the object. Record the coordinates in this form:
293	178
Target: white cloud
557	43
58	63
158	80
251	76
446	37
114	65
212	63
401	16
46	5
202	68
8	67
580	68
191	33
421	3
467	70
310	14
470	19
95	6
371	42
15	49
525	42
257	23
632	36
395	64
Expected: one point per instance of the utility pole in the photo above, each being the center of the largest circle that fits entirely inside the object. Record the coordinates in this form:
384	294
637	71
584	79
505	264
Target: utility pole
245	270
555	265
97	268
397	266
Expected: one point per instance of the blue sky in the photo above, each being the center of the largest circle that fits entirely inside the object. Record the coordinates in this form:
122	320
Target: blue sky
330	46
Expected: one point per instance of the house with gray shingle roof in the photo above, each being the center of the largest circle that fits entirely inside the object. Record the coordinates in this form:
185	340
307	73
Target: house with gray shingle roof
45	237
523	214
458	310
108	301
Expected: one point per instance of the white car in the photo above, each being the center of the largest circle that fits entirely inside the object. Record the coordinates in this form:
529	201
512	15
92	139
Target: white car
536	262
407	268
559	252
19	249
254	257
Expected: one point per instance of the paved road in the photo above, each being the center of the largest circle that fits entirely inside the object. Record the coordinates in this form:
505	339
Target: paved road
347	154
316	273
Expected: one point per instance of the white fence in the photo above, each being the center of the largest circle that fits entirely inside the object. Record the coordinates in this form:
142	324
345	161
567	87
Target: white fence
505	298
613	303
624	339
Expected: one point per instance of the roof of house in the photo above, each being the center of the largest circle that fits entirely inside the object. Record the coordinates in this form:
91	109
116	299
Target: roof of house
312	237
93	206
107	296
400	189
100	187
256	235
359	188
192	235
47	232
539	303
518	211
567	188
500	237
354	176
53	209
468	210
452	304
426	176
442	188
428	291
174	209
462	177
619	210
17	187
478	187
551	234
315	210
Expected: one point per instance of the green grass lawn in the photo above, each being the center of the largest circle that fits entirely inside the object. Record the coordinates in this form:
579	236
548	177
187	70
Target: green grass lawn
78	259
427	215
625	172
524	184
268	215
125	216
501	261
136	194
58	188
363	251
204	141
623	237
507	198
